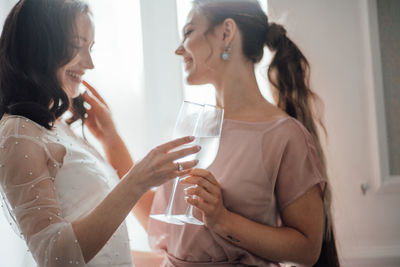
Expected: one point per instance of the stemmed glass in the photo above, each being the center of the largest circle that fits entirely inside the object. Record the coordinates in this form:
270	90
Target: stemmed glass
207	134
185	125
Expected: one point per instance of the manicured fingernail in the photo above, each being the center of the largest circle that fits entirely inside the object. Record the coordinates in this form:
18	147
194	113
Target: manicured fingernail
198	148
191	138
186	198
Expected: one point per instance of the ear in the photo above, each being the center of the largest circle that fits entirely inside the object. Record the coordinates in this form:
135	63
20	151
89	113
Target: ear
229	30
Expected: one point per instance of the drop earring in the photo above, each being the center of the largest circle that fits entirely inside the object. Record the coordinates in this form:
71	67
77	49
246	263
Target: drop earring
226	55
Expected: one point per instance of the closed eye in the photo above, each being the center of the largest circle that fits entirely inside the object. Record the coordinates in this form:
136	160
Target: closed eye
187	33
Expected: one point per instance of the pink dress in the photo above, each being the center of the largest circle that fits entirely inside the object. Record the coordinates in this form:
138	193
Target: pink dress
262	168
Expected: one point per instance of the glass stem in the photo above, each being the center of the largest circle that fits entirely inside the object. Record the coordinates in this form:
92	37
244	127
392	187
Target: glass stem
189	212
168	211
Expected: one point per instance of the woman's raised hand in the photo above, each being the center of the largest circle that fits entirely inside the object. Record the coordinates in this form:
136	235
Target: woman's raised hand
99	120
160	164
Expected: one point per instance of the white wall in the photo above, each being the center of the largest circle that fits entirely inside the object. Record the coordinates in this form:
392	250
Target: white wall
334	35
162	75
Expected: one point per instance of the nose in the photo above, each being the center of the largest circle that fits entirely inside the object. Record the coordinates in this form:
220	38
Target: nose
88	61
179	50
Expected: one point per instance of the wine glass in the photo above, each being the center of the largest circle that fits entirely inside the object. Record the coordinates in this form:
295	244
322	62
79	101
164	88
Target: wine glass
185	125
207	134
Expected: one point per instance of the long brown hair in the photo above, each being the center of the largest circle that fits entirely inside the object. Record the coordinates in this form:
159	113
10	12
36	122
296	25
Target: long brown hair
35	42
289	73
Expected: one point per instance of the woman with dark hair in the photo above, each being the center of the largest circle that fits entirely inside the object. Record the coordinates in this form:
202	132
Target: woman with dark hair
265	200
64	199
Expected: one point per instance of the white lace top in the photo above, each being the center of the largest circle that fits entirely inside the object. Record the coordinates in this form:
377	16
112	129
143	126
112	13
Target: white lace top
49	178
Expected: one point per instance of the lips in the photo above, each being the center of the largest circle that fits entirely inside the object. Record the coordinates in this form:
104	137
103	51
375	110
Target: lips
188	62
75	75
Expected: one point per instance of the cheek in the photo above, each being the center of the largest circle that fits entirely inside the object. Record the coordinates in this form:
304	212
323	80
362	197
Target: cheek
73	62
61	75
197	47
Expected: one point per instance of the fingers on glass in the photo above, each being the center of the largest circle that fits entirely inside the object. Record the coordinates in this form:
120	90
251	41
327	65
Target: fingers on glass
175	143
184	166
182	153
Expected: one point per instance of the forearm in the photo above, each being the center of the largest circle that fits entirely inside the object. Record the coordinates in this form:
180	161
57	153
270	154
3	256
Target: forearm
117	154
95	229
119	157
280	244
143	207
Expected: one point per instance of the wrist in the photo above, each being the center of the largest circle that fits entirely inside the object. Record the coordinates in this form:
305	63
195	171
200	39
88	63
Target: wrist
110	139
137	181
221	226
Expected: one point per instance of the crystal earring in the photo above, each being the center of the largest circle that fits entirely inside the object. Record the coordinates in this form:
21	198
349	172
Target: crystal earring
226	56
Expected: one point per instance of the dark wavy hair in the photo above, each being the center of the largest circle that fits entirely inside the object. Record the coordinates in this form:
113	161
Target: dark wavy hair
35	43
288	71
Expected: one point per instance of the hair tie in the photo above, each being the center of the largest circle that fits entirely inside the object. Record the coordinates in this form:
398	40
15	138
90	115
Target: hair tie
275	35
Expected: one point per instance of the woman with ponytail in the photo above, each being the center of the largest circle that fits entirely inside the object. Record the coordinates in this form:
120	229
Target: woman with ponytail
265	200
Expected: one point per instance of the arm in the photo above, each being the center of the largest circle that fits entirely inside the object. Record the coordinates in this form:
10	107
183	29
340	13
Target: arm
118	156
26	180
298	241
96	228
100	123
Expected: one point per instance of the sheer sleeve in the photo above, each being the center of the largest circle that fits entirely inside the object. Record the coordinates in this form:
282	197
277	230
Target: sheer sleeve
300	167
27	173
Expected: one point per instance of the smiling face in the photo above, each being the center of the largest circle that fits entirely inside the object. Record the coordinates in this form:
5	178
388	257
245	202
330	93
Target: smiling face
200	50
70	75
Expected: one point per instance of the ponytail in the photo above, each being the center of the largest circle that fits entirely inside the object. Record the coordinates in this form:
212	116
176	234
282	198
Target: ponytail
289	73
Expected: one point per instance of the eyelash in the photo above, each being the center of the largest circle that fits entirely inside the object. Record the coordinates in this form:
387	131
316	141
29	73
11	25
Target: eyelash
186	34
81	47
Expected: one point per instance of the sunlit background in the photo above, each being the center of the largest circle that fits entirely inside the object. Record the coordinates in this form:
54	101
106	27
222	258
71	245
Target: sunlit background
143	83
142	80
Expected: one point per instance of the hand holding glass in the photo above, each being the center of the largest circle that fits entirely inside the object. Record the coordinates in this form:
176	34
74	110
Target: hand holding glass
185	126
207	134
205	123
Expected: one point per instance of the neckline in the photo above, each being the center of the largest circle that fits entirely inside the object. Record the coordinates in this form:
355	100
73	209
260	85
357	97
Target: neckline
273	120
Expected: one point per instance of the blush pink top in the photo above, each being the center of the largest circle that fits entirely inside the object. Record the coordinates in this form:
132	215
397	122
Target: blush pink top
262	168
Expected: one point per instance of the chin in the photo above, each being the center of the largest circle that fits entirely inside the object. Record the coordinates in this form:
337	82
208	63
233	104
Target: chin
195	81
72	92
